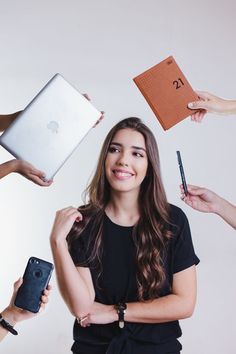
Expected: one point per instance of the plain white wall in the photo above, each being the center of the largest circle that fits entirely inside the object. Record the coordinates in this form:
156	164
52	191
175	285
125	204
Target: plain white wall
99	46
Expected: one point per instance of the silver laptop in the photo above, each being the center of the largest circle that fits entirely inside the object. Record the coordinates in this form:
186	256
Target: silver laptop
50	128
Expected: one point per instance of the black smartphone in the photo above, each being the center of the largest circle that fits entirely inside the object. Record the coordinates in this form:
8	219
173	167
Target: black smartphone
35	279
182	173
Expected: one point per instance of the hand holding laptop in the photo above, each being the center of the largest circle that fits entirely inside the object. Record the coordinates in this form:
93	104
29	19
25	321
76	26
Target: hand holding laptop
20	166
25	169
102	112
30	172
49	129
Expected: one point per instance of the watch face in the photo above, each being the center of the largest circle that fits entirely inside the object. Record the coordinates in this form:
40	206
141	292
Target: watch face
122	306
121	324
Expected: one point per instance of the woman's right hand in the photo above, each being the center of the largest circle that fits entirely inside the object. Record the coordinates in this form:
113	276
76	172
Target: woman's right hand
63	223
13	314
209	103
201	199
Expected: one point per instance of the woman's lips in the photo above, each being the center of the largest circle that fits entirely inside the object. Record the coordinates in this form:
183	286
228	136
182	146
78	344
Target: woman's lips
122	174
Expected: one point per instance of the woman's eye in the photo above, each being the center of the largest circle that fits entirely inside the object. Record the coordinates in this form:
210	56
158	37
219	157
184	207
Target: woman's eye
137	154
113	149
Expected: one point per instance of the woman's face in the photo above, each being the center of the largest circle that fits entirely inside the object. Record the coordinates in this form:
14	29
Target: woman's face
126	162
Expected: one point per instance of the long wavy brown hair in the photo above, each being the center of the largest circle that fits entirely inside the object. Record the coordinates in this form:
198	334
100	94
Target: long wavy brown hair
150	234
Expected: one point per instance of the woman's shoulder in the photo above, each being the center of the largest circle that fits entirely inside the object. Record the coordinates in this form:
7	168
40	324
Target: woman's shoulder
177	219
176	213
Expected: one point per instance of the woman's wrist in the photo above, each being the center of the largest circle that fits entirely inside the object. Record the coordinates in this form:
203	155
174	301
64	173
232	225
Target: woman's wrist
114	314
58	243
120	311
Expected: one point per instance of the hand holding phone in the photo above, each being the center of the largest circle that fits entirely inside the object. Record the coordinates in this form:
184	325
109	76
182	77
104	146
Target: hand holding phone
182	173
35	279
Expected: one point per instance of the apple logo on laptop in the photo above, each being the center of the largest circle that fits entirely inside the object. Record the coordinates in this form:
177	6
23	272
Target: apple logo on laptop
53	126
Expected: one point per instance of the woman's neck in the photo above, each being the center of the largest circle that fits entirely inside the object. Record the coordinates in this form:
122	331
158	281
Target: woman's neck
123	209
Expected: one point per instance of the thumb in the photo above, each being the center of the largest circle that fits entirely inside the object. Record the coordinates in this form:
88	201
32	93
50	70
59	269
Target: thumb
197	105
17	284
196	191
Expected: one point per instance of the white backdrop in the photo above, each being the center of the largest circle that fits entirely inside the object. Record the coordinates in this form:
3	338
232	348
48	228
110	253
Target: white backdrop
99	46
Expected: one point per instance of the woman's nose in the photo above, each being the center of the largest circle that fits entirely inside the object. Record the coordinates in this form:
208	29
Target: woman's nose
123	161
124	164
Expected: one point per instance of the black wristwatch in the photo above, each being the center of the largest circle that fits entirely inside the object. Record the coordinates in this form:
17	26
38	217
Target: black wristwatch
7	326
120	308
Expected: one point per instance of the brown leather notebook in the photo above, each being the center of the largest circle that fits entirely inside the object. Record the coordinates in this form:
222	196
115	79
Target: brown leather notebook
167	92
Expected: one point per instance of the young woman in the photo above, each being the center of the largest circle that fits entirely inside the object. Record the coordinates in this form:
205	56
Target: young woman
125	261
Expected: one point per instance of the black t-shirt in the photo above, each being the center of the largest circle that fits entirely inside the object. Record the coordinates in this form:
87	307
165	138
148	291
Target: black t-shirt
117	282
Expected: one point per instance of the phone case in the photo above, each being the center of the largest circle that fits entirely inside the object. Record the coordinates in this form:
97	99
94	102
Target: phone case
35	279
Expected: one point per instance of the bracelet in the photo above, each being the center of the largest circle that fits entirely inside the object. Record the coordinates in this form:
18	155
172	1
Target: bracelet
120	308
81	319
7	326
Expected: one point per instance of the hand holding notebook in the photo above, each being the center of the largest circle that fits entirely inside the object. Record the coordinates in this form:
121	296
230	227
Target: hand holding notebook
167	92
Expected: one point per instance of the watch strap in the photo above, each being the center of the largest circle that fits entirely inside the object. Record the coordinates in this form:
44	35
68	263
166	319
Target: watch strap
7	326
121	308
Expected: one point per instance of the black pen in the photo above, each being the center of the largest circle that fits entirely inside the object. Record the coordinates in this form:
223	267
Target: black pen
182	173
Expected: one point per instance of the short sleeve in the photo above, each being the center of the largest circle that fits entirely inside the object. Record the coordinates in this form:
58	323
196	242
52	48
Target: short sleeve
183	250
79	249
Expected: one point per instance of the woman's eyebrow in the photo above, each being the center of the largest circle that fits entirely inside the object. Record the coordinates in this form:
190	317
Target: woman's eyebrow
132	147
114	143
138	148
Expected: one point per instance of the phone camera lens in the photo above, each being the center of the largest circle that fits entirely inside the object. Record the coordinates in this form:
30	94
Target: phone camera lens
38	273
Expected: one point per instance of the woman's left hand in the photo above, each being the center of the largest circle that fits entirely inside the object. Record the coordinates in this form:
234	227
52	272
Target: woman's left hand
14	314
100	314
63	223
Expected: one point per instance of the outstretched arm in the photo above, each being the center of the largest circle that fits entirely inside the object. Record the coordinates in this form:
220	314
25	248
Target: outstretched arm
6	120
25	169
19	166
209	103
13	315
206	201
